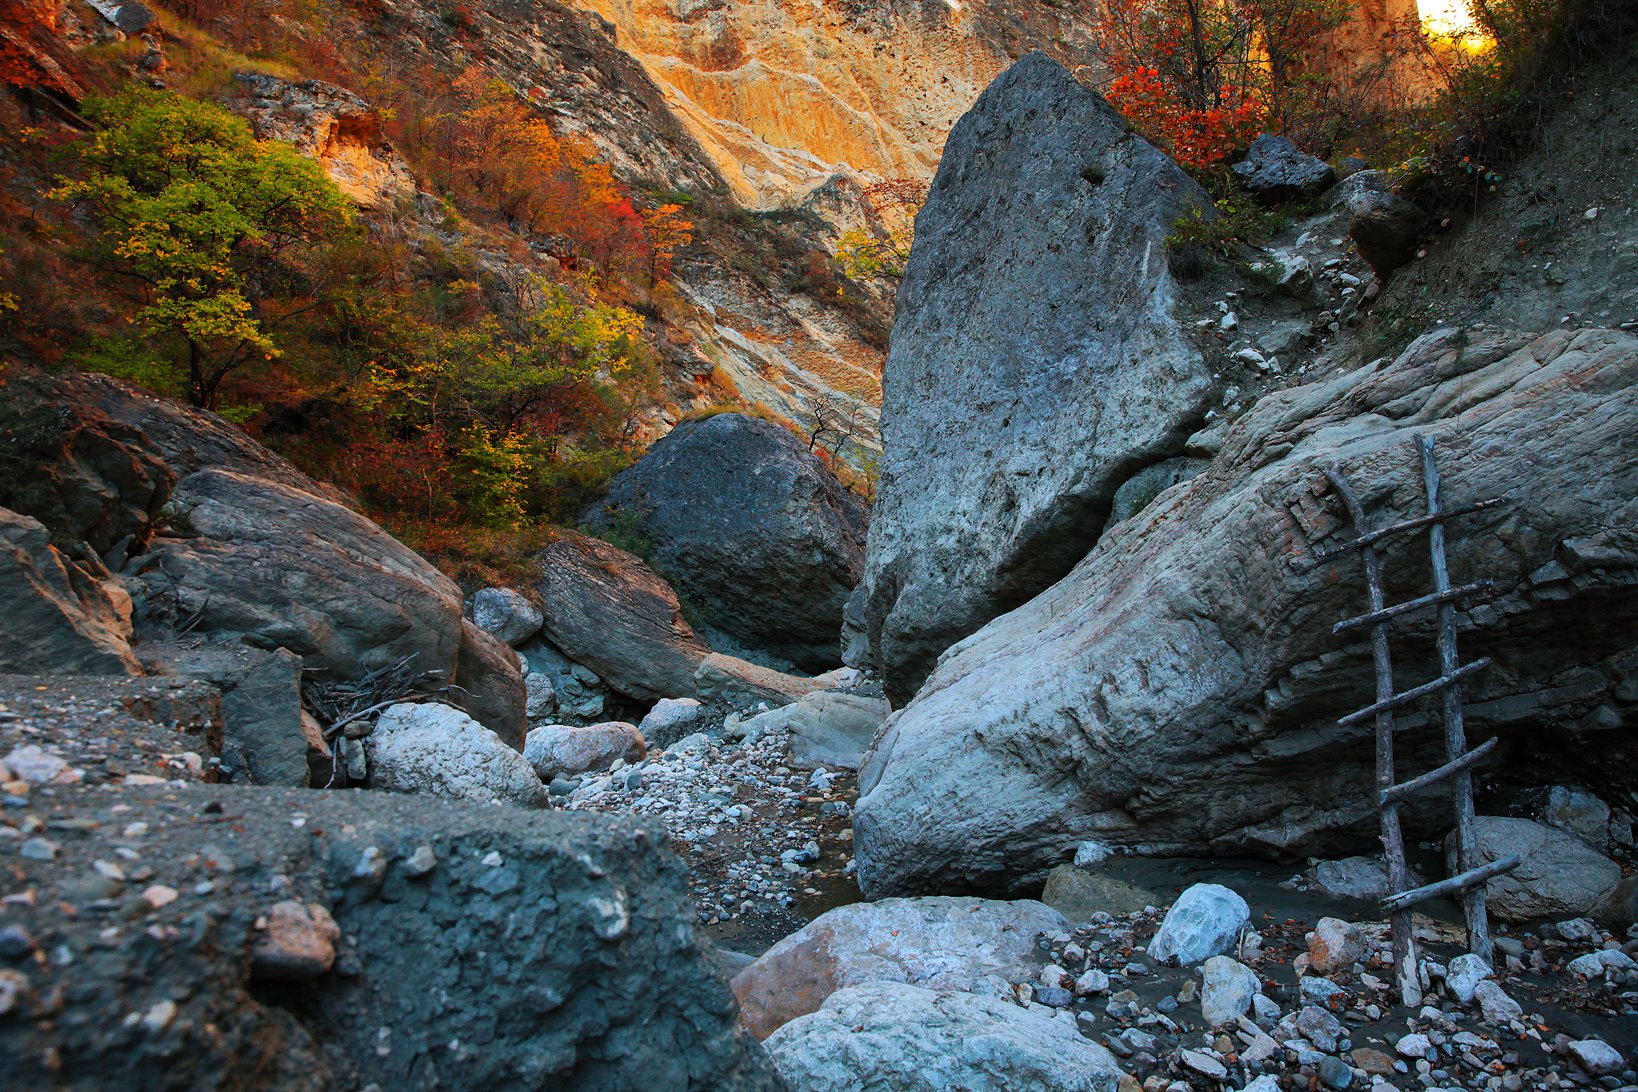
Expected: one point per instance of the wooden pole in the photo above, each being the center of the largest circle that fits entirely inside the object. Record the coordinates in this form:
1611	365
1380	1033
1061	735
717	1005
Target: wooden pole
1393	838
1461	784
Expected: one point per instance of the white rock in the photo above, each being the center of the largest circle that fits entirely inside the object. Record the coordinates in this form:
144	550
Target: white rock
1206	920
889	1035
671	719
1088	854
566	750
1415	1045
540	695
1227	990
1596	1057
1597	964
1335	944
1092	982
439	750
1205	1064
1494	1005
506	614
1464	974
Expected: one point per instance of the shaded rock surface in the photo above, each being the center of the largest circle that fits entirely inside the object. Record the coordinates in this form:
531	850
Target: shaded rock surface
1152	700
592	975
1009	418
939	942
751	528
1079	893
505	614
608	610
60	619
1560	874
891	1035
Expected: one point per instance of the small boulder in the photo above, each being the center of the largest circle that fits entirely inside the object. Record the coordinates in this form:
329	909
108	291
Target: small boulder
739	684
1206	920
506	614
1078	893
568	751
1597	1057
1384	228
1581	813
827	728
1352	878
606	609
1495	1007
752	528
1464	975
441	751
1335	944
1560	874
670	720
1274	170
1227	989
295	942
939	942
889	1035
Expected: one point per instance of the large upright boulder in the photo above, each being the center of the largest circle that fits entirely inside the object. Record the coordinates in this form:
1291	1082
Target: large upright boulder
1178	692
1036	363
607	610
752	528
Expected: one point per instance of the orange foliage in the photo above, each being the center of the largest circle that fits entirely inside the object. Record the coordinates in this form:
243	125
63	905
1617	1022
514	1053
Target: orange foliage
1203	77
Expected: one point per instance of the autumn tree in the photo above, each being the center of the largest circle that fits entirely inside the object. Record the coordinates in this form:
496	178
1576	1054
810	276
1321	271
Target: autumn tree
882	248
1202	77
203	221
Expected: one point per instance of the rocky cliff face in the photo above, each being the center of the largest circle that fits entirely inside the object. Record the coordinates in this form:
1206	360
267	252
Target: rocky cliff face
1178	691
1038	361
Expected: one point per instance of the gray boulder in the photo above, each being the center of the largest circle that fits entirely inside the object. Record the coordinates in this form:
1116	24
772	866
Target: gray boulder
1561	875
827	728
941	943
1178	692
519	950
438	750
1352	878
557	687
567	750
505	614
263	736
1274	170
1206	920
888	1035
754	531
607	610
60	618
1226	990
1036	362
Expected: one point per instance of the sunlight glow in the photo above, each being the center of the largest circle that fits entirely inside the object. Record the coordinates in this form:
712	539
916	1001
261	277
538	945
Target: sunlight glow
1452	20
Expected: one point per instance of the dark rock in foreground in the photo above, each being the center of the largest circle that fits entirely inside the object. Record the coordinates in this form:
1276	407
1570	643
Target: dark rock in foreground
350	939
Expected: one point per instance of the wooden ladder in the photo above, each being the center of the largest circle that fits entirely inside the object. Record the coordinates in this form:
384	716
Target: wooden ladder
1470	878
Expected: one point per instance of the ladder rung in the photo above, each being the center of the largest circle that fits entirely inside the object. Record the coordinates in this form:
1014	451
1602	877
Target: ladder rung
1431	600
1422	691
1455	765
1372	537
1471	878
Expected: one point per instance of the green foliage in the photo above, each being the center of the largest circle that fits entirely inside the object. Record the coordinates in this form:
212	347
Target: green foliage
1237	220
197	215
